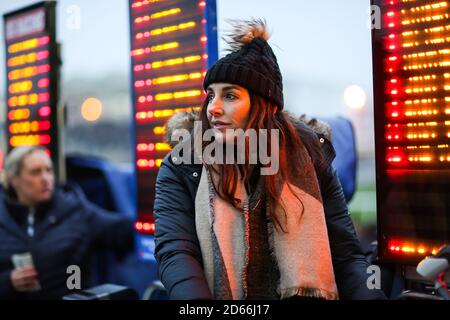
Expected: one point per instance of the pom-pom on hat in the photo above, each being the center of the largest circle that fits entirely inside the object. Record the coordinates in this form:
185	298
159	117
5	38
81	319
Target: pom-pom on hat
251	63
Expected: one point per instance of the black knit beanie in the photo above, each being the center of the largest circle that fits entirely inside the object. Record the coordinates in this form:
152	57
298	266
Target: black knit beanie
251	63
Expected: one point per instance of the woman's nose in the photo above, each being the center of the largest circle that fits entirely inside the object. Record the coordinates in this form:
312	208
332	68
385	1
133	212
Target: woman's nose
215	107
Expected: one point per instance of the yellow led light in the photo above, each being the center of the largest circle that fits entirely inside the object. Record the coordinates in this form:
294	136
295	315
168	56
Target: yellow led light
192	58
165	46
420	89
423	78
163	96
165	13
187	94
176	78
20	87
425	19
24	45
22	73
23	100
162	147
22	59
177	95
159	130
168	29
28	140
19	114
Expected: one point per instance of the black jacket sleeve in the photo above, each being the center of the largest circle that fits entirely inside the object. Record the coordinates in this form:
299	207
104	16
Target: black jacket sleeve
176	245
350	266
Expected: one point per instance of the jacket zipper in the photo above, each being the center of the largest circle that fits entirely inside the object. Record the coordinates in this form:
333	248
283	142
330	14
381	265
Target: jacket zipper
30	222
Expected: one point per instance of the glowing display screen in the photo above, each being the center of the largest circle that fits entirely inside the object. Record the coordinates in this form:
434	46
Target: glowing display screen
31	90
411	67
172	44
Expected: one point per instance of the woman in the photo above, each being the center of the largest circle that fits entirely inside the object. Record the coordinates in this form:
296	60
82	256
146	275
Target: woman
227	231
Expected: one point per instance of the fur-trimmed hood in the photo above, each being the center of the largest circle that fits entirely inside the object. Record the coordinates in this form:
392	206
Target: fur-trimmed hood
185	120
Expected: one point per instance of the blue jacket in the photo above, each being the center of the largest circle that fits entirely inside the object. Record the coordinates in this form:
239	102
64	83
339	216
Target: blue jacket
177	247
67	231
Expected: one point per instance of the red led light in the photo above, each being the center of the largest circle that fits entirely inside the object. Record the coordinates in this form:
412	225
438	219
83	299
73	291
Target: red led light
142	147
43	68
44	125
145	227
44	111
411	248
203	39
43	40
44	139
43	83
41	55
43	97
202	4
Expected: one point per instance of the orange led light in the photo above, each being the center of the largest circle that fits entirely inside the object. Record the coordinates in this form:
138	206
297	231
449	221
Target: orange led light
148	163
165	113
159	146
28	72
425	19
20	87
29	126
140	4
28	44
27	58
159	130
409	248
18	114
29	140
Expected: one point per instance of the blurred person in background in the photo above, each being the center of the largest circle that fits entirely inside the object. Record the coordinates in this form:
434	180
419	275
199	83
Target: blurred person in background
57	226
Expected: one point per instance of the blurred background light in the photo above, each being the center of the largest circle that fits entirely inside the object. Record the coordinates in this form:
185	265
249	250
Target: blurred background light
91	109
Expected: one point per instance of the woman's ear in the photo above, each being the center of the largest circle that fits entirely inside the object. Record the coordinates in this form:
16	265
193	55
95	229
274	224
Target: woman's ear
275	109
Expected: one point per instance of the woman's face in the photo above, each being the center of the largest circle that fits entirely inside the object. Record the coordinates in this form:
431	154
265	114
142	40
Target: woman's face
228	108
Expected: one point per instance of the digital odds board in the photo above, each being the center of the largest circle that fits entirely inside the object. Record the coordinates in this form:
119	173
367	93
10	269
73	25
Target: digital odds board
411	70
31	77
172	44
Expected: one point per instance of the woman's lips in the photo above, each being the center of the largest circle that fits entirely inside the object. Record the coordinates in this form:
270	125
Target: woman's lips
221	125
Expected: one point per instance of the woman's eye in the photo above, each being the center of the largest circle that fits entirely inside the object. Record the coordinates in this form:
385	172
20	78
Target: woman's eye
209	98
230	96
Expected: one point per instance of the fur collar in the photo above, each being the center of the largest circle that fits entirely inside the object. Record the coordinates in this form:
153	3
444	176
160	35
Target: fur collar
185	120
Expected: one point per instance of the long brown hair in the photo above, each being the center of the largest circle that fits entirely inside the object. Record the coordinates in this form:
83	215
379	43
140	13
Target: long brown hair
265	115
